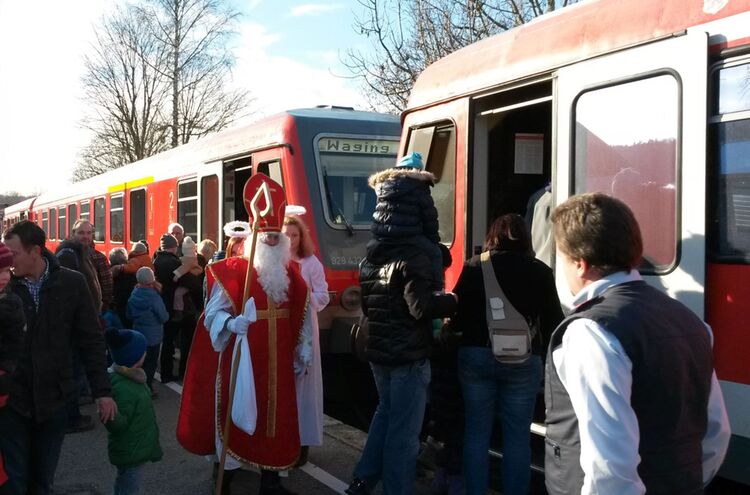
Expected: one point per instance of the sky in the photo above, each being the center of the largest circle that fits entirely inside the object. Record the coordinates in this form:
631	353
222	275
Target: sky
288	56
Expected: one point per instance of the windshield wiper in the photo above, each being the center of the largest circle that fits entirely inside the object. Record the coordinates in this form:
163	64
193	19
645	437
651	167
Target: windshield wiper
332	203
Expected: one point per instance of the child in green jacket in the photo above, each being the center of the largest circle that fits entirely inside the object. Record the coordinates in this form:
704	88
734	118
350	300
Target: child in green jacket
134	433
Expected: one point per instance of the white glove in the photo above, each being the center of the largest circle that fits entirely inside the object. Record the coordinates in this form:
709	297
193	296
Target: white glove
240	324
303	357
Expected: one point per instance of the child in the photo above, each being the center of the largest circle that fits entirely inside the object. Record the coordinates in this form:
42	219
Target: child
12	327
134	433
147	312
189	265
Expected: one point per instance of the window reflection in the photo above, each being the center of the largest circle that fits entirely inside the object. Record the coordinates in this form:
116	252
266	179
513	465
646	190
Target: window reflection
626	146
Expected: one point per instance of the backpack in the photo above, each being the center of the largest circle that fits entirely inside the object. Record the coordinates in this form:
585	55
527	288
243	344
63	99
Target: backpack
509	331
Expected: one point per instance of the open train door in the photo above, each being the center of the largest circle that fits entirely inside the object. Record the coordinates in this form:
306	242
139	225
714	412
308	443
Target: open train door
632	124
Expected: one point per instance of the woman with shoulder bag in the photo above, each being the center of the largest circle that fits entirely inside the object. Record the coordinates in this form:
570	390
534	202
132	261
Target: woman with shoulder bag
493	384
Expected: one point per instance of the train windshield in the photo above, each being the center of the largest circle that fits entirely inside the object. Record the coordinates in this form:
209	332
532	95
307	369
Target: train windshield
345	165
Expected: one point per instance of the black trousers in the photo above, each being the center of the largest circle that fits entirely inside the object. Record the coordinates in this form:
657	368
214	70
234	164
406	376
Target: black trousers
171	333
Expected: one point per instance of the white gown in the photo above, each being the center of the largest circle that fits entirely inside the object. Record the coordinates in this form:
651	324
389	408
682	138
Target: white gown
310	384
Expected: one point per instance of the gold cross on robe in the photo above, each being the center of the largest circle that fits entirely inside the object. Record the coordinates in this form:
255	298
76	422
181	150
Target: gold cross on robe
271	314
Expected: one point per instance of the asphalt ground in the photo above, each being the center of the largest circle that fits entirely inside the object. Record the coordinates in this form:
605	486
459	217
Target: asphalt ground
84	468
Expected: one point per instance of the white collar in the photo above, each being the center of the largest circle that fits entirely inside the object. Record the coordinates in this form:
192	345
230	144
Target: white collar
596	289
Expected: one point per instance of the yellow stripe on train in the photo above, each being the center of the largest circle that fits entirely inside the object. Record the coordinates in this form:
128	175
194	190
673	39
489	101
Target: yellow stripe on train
131	184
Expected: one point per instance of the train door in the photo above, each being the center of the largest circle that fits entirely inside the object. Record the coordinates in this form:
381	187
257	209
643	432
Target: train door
236	173
210	187
633	124
511	167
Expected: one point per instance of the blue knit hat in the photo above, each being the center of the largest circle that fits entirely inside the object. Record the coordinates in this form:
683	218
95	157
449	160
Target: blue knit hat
126	347
413	160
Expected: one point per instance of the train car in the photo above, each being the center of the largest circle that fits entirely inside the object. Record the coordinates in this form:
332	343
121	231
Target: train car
322	156
23	210
647	101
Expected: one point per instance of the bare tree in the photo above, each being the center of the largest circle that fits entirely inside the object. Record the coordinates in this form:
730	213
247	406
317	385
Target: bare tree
157	79
408	35
194	34
125	94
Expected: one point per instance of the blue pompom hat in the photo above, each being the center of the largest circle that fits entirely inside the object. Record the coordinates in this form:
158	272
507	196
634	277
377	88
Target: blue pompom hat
126	347
413	160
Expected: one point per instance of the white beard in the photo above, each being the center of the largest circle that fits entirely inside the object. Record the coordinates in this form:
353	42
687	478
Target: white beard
270	263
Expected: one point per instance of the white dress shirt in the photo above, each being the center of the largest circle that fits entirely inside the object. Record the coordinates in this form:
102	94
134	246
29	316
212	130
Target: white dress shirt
597	374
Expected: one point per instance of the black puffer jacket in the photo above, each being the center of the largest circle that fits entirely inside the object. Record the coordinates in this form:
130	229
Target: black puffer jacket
12	329
405	206
399	299
405	210
43	381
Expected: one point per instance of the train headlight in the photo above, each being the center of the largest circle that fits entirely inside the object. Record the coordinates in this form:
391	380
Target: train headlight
351	298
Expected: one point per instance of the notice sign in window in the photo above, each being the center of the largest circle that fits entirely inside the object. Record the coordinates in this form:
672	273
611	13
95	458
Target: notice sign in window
529	156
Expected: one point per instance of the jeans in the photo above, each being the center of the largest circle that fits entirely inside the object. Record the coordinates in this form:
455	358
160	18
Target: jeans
128	480
390	453
30	451
508	390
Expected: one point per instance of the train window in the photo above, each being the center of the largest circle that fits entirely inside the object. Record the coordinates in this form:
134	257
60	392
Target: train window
61	225
116	224
99	216
437	145
729	164
72	217
626	145
273	170
85	207
345	165
137	205
209	208
52	224
45	225
187	207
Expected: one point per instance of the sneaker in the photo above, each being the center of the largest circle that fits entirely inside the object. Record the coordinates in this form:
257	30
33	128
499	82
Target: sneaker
81	424
357	487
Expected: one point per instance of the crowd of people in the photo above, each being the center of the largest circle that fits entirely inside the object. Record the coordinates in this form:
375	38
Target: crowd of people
78	326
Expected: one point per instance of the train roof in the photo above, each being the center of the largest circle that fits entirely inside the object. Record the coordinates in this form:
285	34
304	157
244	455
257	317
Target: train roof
20	206
229	143
571	34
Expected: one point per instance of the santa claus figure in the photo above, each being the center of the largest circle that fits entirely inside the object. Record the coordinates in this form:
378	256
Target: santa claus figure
271	331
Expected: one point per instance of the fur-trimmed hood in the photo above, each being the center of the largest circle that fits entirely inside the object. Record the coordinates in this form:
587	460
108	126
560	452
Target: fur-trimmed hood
138	375
400	173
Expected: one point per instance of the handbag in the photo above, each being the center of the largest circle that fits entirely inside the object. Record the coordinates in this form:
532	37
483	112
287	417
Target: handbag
509	331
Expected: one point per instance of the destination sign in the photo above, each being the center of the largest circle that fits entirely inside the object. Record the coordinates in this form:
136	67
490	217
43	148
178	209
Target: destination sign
359	146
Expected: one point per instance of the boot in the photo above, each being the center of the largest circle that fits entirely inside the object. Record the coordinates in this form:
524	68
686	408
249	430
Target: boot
270	484
226	482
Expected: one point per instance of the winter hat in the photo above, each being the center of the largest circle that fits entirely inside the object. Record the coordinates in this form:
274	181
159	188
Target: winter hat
188	247
167	241
139	247
413	160
127	347
6	257
145	275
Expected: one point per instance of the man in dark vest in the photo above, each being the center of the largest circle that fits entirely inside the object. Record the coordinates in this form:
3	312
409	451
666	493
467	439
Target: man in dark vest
633	402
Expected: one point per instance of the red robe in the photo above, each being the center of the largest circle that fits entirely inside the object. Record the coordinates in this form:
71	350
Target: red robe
275	443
